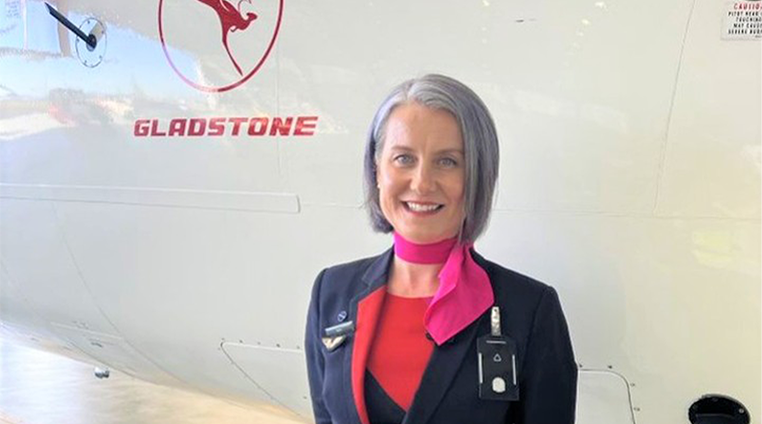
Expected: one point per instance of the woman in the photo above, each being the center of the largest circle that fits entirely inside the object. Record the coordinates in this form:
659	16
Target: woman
429	331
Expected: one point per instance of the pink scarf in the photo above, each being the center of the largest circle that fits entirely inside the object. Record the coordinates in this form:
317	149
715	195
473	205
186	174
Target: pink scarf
464	293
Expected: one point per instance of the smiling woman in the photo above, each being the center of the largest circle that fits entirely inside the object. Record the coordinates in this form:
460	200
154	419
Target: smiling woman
421	174
453	112
430	331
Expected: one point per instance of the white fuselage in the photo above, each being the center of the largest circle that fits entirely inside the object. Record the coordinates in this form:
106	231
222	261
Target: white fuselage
165	214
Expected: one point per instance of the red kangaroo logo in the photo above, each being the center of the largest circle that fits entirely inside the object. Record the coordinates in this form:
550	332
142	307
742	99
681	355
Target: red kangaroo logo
231	20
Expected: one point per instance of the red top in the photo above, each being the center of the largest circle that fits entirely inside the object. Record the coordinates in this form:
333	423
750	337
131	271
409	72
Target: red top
400	350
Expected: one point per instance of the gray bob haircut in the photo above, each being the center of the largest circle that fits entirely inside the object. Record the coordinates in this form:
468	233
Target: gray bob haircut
481	150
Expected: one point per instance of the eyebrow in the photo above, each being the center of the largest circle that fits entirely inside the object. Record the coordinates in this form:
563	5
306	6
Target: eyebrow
408	149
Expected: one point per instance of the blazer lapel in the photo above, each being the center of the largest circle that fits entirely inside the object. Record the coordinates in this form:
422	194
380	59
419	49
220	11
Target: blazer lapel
365	308
440	372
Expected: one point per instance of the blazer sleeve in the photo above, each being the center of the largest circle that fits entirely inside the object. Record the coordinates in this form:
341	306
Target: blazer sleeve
314	353
548	388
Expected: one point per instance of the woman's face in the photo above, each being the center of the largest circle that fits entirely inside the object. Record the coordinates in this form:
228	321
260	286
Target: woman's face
421	173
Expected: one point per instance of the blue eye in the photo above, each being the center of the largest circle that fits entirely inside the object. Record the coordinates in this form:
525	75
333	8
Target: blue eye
448	162
403	159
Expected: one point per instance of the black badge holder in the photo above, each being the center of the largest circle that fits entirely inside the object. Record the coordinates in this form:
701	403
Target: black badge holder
498	378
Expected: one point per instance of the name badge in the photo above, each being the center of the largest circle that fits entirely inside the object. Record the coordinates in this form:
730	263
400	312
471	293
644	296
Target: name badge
336	336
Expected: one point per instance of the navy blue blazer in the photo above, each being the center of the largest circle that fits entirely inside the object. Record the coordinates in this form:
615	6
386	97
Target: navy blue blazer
530	314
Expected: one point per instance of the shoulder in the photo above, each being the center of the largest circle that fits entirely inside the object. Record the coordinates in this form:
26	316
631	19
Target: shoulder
519	295
504	279
344	281
336	276
349	269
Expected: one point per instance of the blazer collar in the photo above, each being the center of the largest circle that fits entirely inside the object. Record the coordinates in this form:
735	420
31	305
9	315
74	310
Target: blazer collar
378	272
479	259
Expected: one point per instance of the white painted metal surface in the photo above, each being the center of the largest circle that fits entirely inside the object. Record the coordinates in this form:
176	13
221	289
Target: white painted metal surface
630	181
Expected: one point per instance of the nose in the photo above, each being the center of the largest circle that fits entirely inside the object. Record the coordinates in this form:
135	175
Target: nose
424	180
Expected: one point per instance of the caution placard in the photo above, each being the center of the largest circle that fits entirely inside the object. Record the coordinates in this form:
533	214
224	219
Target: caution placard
743	20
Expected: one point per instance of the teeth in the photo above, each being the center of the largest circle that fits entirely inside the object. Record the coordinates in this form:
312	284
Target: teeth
417	207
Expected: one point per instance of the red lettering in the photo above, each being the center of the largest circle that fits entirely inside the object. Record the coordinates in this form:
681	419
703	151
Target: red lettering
155	129
177	127
216	126
141	127
236	124
281	127
746	6
305	125
196	127
258	126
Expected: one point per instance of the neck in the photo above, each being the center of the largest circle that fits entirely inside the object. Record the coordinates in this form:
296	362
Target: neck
415	272
408	279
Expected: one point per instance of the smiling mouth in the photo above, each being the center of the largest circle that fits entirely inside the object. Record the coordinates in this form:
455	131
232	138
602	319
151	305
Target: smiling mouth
422	207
